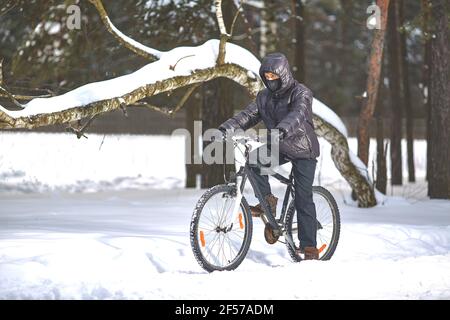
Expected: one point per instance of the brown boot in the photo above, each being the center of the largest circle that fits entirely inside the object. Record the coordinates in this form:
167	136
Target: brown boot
311	253
271	200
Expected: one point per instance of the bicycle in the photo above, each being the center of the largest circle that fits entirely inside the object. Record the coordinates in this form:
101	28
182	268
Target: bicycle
221	236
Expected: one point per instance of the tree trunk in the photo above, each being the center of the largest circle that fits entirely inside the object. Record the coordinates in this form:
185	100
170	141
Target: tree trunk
340	154
216	109
425	4
427	97
373	83
439	143
407	97
396	96
268	40
381	179
346	45
299	65
192	114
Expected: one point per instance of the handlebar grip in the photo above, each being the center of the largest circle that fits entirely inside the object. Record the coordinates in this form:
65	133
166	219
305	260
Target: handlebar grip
218	139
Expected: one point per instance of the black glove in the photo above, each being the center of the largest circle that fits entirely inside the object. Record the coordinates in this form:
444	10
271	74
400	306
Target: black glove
222	138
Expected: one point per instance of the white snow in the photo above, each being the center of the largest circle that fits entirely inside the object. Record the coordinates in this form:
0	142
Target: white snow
60	162
46	162
131	241
130	245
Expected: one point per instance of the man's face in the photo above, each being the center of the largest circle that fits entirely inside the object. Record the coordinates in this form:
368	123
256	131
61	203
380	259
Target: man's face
271	76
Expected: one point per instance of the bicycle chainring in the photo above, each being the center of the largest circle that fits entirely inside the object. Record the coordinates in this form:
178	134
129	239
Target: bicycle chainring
269	234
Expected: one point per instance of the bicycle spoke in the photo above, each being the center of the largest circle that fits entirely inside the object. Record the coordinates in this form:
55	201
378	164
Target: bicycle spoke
237	235
212	219
209	254
229	245
209	247
221	212
232	244
221	250
207	226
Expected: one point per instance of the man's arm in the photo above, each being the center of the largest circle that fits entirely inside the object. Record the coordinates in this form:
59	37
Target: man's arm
245	119
293	122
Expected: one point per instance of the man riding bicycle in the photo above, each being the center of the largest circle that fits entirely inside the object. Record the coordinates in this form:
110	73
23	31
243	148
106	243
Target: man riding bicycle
285	107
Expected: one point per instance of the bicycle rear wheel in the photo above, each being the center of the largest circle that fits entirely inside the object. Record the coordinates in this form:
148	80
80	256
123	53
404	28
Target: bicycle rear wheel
217	242
328	225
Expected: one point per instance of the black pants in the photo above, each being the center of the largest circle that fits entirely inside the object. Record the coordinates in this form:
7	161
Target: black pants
304	171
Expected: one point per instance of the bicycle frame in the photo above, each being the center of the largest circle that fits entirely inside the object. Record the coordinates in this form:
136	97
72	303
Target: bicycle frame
245	173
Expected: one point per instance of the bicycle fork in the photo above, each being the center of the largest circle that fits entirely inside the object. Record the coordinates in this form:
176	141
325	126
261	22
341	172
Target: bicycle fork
240	183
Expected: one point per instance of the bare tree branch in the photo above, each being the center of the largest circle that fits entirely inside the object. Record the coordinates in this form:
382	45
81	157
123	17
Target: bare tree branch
235	17
184	99
219	16
7	7
224	36
5	93
1	72
172	67
79	132
49	93
127	42
249	32
164	110
23	97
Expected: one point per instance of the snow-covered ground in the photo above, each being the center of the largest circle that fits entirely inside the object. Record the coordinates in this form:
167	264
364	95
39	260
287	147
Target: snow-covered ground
107	218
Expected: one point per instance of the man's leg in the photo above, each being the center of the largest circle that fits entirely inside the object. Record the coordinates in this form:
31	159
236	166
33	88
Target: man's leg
304	170
262	181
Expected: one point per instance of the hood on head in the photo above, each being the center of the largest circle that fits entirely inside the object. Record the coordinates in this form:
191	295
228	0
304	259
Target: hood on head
277	63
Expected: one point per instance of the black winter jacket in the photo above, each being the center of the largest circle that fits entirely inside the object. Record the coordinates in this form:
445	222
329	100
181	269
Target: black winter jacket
289	109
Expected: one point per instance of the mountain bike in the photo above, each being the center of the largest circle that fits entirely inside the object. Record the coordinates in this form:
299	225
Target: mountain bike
221	226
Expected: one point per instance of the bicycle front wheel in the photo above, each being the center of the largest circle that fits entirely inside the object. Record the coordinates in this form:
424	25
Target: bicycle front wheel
328	225
218	242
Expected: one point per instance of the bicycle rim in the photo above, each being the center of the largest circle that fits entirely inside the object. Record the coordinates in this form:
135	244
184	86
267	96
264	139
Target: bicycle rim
221	241
328	226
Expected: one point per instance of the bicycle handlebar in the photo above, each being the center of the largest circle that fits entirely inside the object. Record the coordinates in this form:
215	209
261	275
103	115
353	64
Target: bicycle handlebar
236	138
